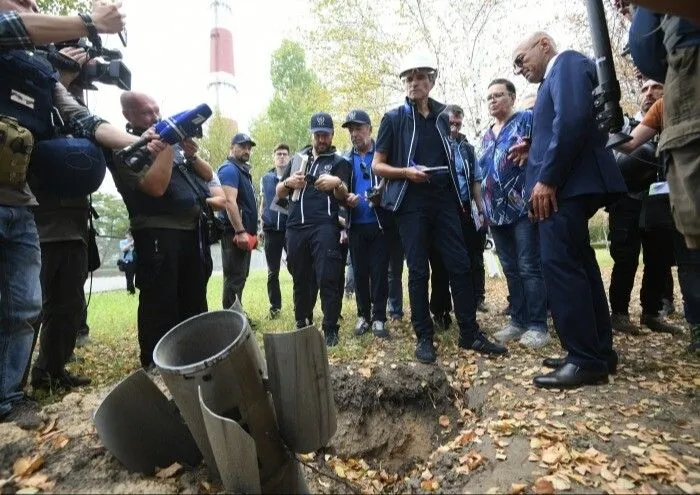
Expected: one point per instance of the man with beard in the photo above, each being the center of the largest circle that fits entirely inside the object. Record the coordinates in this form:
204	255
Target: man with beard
316	182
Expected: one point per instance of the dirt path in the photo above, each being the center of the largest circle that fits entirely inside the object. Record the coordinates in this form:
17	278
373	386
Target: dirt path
466	425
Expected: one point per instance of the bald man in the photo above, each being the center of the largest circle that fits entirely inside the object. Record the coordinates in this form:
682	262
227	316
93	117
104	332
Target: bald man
172	259
570	175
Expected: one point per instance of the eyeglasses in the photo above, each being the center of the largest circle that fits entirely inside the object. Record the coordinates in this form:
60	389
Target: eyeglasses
497	96
365	171
520	59
458	125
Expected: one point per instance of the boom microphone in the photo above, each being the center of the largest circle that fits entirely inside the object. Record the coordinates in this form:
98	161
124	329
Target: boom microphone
172	130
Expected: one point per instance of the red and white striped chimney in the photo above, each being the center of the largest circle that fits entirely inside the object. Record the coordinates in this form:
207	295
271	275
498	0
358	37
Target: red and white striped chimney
222	83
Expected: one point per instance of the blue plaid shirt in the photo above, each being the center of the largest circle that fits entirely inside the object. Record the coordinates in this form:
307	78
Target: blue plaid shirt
13	33
502	181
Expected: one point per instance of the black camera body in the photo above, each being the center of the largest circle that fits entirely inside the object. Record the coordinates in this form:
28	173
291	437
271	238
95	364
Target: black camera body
374	196
104	65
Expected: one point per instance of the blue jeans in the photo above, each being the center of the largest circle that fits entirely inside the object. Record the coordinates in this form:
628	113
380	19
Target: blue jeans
20	298
518	249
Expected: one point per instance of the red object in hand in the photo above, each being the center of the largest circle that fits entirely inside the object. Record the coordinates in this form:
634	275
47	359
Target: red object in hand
245	241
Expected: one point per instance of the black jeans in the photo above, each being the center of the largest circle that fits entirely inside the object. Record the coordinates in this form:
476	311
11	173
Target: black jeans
129	272
440	300
369	251
626	241
171	275
396	257
274	244
63	272
437	225
236	264
315	260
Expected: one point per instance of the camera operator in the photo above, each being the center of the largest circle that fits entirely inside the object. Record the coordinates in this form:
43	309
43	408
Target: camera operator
634	226
30	90
313	231
63	224
172	259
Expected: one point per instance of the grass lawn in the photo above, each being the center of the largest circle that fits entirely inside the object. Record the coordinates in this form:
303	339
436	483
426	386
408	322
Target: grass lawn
113	352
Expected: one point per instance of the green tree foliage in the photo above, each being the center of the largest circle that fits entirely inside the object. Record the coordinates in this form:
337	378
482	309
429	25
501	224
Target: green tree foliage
216	143
63	7
114	218
297	94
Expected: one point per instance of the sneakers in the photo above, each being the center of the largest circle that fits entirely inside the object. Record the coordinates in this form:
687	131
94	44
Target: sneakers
658	324
275	313
694	346
621	323
361	326
442	322
25	414
331	339
482	307
45	381
482	345
535	339
510	332
425	351
379	329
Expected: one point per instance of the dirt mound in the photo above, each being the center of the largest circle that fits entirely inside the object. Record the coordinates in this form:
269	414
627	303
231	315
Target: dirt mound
390	417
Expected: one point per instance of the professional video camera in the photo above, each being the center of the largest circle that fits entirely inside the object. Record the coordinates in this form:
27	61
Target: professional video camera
104	65
173	130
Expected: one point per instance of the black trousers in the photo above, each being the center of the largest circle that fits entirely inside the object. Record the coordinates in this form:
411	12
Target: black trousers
626	241
437	226
171	275
440	299
236	265
63	272
274	244
369	250
315	260
129	272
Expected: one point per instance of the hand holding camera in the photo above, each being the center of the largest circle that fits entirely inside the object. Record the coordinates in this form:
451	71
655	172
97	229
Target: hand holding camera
107	17
352	200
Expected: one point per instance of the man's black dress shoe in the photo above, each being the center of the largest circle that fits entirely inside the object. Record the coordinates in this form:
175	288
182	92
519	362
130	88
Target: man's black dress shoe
554	363
570	376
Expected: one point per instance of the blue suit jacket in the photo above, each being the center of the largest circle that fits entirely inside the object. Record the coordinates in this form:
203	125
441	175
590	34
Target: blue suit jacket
567	149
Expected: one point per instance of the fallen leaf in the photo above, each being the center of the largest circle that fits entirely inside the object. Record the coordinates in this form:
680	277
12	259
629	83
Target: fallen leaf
623	485
607	475
501	456
444	421
517	488
60	441
651	470
40	481
169	471
25	466
636	450
551	455
543	486
604	430
426	475
365	372
687	487
49	427
339	471
426	485
559	482
27	490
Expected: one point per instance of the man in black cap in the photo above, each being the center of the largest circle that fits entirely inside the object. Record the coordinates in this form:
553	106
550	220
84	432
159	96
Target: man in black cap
316	182
240	218
366	222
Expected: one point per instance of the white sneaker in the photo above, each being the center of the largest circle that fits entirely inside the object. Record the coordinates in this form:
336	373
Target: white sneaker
535	339
509	332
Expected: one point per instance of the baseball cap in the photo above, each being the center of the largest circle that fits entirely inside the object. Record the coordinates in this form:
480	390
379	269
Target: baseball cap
241	138
321	122
357	117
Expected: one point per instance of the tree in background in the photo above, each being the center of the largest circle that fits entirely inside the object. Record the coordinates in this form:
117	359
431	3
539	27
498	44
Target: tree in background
63	7
297	94
114	218
216	143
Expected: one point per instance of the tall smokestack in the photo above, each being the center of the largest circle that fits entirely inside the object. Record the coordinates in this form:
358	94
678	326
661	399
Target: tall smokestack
223	92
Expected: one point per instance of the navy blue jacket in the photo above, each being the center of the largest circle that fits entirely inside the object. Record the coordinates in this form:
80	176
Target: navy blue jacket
316	207
567	150
271	220
466	152
403	148
245	199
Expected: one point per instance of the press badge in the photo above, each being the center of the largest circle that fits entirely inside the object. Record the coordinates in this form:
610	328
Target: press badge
658	188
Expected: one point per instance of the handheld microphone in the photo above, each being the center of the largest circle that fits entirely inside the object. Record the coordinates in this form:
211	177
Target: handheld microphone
172	130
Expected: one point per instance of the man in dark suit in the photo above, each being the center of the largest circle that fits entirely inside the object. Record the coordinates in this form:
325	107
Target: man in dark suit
570	175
